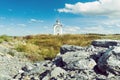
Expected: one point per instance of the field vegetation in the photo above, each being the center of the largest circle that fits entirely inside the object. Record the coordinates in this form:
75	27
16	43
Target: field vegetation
46	47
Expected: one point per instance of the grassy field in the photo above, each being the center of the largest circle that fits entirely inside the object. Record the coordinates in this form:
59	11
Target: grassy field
46	47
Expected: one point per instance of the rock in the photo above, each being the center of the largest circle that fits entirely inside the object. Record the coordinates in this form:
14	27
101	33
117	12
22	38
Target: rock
99	61
116	50
36	71
78	60
101	77
44	74
35	78
86	75
46	78
27	68
105	43
81	64
69	48
10	66
20	71
4	49
58	73
58	61
114	78
5	77
110	61
72	74
90	48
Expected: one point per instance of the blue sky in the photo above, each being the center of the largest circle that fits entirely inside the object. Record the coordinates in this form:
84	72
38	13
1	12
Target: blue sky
24	17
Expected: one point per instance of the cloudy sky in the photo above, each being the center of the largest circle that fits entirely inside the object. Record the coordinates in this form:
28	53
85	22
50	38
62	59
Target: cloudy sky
24	17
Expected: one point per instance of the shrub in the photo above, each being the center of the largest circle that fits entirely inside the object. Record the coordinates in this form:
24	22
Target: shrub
31	51
6	38
1	40
11	53
34	57
48	53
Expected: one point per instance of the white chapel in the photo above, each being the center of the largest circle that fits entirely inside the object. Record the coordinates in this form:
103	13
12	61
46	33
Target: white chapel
57	28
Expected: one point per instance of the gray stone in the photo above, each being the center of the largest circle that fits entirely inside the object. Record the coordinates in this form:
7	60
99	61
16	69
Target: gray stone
46	78
110	62
90	48
101	77
4	49
69	48
105	43
116	50
114	78
27	68
78	60
5	77
58	73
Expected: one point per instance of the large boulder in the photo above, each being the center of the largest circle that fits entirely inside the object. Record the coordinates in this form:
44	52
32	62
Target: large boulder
69	48
105	43
79	60
110	61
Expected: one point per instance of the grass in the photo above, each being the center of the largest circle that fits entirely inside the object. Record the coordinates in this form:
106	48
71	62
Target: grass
5	38
46	47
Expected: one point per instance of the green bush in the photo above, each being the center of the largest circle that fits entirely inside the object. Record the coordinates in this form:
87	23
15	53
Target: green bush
1	40
5	38
11	53
31	51
48	53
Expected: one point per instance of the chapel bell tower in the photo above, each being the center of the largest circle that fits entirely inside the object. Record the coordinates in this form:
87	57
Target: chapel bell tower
57	28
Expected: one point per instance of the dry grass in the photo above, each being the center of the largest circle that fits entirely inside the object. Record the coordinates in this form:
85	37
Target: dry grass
42	47
5	38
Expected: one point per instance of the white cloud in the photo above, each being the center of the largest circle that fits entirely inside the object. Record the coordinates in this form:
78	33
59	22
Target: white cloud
90	29
71	29
97	29
112	23
22	25
35	21
109	8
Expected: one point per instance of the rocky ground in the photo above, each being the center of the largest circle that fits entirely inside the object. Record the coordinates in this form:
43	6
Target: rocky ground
99	61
